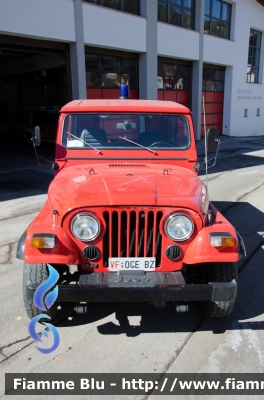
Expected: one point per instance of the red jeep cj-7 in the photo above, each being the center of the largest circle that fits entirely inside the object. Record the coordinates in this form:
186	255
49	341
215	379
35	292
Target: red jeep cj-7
127	218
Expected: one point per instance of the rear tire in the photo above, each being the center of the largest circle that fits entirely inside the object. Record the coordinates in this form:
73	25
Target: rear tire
219	272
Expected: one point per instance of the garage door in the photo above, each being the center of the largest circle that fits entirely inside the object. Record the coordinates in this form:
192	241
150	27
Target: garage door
174	82
213	95
32	79
105	73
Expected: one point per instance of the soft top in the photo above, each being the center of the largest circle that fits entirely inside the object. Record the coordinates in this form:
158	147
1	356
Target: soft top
137	106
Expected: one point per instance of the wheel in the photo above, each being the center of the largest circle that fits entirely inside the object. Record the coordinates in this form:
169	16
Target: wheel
219	272
36	273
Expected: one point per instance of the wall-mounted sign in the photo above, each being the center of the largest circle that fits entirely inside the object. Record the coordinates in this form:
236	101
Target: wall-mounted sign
247	94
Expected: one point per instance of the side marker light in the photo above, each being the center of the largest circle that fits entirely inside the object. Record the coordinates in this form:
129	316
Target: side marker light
222	240
43	241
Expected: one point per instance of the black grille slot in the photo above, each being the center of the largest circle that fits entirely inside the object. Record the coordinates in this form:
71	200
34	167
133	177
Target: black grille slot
106	238
158	239
132	233
173	252
91	252
150	233
141	233
123	234
114	233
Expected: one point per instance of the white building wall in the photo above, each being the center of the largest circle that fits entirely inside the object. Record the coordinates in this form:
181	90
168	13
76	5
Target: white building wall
174	41
219	51
38	19
244	95
104	27
239	95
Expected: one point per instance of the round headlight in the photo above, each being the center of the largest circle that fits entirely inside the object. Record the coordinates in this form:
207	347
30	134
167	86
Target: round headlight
179	227
85	227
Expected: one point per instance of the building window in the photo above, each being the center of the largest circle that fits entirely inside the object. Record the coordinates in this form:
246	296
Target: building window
253	56
129	6
173	82
217	18
213	80
109	72
177	12
173	76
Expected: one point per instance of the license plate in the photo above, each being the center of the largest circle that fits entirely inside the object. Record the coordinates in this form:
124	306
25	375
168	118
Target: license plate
131	264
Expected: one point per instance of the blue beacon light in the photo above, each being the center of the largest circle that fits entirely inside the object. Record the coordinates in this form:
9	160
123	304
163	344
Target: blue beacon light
124	92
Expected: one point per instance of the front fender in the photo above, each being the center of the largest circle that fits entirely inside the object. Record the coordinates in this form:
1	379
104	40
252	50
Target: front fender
65	250
21	246
200	249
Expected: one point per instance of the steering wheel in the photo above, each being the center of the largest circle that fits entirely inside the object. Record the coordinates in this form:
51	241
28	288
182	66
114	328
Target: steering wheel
164	143
122	143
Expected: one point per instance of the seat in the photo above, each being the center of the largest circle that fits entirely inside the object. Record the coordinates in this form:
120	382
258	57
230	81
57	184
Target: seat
94	136
148	137
180	134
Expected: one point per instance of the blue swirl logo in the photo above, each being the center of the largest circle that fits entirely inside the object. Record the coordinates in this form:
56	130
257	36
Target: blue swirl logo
44	299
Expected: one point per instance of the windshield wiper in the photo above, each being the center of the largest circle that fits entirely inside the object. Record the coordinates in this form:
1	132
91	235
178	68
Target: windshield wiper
76	137
137	144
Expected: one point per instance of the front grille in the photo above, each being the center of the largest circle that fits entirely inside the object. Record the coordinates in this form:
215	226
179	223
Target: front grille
132	233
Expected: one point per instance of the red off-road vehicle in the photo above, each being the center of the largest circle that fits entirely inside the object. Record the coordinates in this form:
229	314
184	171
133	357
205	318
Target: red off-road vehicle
127	218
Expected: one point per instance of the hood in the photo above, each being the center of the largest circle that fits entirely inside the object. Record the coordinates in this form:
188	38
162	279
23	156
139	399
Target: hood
125	185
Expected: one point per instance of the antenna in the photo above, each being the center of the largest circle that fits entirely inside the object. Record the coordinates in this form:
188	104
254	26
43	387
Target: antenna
205	146
209	211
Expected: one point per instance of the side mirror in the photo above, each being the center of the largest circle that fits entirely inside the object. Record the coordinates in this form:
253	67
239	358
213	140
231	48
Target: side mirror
212	140
212	146
36	142
37	138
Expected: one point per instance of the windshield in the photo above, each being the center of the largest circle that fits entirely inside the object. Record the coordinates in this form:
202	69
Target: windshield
126	131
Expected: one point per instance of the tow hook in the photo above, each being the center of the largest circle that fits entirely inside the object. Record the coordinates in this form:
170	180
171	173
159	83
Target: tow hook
81	308
158	304
181	307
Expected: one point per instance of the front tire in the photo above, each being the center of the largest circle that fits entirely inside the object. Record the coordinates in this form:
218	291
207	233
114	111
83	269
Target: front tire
219	272
35	273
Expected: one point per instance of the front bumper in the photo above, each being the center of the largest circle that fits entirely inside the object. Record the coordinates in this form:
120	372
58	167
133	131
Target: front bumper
114	287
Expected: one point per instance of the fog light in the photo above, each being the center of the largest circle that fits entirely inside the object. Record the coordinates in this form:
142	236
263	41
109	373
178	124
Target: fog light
222	240
43	241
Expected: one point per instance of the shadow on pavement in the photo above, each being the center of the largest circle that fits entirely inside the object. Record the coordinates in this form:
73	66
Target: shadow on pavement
24	183
234	156
234	162
20	175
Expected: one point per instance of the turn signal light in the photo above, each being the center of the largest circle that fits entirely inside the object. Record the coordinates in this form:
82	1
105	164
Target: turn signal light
218	240
43	241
